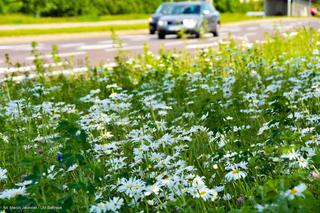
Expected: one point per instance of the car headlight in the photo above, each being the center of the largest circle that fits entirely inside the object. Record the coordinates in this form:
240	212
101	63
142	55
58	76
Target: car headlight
161	23
189	23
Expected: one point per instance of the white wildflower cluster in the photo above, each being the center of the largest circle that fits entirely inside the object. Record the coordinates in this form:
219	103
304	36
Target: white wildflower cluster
113	205
206	136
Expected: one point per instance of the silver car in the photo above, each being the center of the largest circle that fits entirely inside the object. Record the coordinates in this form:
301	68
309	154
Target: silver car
163	9
188	17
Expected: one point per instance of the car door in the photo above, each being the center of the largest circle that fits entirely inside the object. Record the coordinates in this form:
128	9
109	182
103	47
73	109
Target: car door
209	16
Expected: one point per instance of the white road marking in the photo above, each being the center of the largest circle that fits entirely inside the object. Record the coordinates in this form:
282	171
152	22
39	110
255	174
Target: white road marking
251	28
70	45
200	46
62	55
267	26
174	43
106	42
241	38
133	47
221	36
100	46
4	70
24	47
285	27
135	36
232	30
250	34
125	48
194	41
140	38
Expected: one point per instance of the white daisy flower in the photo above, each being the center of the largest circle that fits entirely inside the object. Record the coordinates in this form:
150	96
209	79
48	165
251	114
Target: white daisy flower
208	194
114	204
227	197
72	168
302	163
235	174
11	193
3	174
99	208
198	182
296	191
25	183
132	187
152	189
291	155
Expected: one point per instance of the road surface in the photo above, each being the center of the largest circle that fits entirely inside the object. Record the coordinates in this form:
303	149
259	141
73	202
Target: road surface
102	50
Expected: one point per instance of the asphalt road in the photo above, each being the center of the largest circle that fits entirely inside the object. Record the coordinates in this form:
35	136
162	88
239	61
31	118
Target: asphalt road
103	50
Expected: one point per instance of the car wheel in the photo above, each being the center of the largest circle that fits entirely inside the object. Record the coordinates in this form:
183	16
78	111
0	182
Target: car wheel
216	32
161	35
198	35
202	31
152	32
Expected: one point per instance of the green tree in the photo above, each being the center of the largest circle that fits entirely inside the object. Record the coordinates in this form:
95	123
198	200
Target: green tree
58	8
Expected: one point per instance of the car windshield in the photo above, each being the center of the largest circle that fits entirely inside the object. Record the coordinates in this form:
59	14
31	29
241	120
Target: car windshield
179	9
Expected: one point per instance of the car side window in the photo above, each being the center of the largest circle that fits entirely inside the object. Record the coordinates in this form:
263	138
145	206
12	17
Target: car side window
192	10
212	8
208	7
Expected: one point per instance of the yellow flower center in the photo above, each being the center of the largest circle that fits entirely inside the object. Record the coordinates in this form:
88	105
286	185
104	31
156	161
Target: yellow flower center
101	205
235	171
293	191
202	193
167	179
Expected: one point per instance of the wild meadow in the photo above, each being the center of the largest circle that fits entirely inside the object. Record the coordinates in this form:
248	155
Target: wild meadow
234	128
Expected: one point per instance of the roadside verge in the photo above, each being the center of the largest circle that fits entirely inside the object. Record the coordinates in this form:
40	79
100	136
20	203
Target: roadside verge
98	30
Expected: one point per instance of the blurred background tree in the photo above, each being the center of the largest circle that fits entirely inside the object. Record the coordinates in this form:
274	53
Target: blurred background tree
61	8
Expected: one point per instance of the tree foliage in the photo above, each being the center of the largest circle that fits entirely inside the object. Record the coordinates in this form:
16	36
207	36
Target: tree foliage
60	8
237	6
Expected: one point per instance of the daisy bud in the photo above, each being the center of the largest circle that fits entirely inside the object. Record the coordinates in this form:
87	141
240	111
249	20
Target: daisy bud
40	151
315	175
24	177
240	200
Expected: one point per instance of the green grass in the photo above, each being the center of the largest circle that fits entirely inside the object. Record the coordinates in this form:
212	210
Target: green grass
17	19
29	32
230	129
236	17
